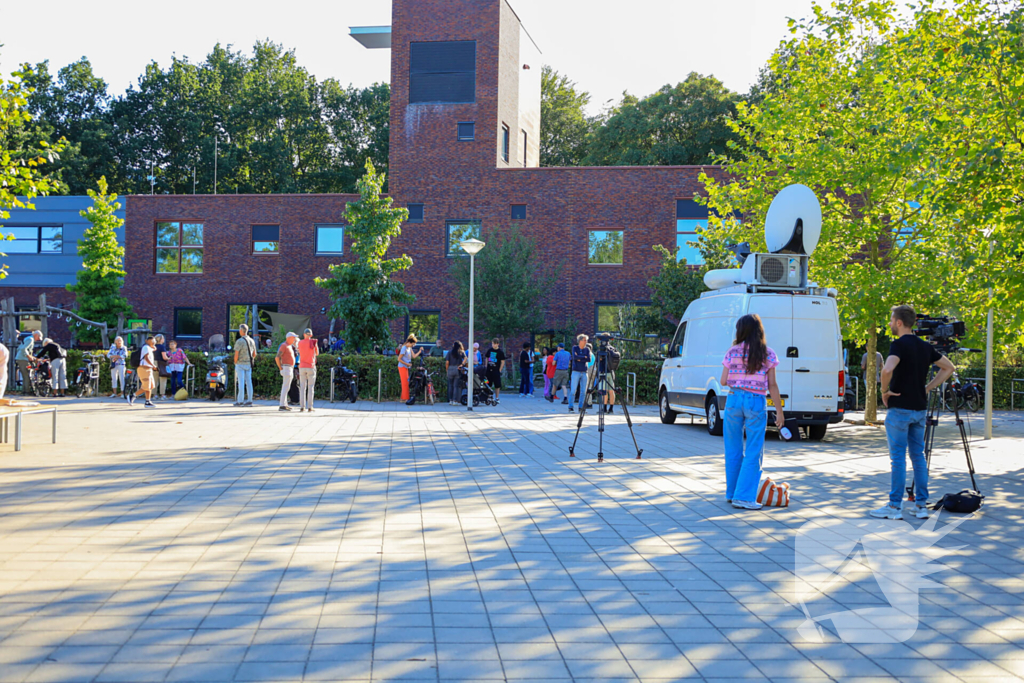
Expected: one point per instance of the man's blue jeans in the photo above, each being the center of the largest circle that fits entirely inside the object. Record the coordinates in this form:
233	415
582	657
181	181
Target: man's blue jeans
578	381
243	382
744	412
905	429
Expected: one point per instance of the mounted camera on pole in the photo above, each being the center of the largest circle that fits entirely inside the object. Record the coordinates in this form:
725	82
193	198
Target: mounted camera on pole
608	358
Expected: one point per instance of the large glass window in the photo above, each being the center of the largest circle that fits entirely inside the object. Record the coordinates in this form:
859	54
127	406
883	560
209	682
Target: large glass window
33	240
188	323
605	247
330	239
179	247
426	325
606	315
242	313
442	71
265	239
457	231
686	240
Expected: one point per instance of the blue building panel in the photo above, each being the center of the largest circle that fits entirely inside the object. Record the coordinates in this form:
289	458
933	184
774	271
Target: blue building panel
44	252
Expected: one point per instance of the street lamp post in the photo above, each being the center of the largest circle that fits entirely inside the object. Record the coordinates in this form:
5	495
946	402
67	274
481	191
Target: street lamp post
472	247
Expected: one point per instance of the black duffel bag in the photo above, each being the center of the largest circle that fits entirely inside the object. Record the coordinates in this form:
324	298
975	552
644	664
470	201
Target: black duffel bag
966	501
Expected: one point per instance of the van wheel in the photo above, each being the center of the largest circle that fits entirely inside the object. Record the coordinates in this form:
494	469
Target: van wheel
816	432
668	416
714	417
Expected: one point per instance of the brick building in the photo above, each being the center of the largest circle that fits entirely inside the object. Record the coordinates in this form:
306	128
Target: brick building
464	127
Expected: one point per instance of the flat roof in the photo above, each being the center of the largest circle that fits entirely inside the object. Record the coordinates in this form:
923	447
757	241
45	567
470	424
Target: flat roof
372	37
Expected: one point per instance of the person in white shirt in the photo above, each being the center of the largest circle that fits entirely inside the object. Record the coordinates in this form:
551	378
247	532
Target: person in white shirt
147	366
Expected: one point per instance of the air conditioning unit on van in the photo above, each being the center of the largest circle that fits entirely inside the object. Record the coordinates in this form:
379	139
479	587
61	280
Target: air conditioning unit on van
776	271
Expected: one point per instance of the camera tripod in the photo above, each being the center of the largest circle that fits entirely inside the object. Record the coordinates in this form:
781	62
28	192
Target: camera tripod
605	386
931	422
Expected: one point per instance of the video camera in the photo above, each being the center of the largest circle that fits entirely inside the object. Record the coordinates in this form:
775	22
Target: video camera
608	356
944	333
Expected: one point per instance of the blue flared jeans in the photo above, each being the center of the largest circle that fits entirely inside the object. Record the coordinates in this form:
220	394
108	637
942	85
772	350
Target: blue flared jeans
744	412
904	430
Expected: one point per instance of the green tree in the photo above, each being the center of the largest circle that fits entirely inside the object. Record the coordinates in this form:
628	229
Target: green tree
362	292
684	124
22	168
511	283
98	284
673	288
564	124
856	112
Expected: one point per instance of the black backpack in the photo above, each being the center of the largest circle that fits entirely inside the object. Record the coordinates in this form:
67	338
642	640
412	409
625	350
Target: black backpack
966	501
135	358
614	358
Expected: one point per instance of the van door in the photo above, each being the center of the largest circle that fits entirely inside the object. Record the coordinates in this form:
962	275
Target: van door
776	313
819	345
672	368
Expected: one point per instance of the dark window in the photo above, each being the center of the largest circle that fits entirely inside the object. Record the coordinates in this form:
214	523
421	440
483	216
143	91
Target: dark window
687	208
330	239
524	148
179	247
188	323
32	240
504	142
457	231
426	325
442	71
265	239
519	212
415	213
467	130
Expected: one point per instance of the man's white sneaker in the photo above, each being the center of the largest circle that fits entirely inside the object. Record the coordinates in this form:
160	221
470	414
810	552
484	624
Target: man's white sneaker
887	512
921	513
746	505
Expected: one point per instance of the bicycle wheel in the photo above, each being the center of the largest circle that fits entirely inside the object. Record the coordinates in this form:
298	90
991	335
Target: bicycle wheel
974	399
953	398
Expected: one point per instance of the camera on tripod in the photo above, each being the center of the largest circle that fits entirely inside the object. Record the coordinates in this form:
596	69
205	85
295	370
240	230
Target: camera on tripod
944	333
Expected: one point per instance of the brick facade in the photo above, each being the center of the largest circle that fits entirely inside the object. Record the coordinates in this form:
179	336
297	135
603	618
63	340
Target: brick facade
453	179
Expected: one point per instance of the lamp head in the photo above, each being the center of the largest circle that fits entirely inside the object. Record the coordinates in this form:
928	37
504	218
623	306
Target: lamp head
472	246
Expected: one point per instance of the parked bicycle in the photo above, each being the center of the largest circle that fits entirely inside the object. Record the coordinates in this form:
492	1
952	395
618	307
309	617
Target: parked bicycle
959	394
87	379
40	378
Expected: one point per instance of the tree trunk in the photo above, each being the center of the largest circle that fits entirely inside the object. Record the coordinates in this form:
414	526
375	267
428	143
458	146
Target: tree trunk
870	386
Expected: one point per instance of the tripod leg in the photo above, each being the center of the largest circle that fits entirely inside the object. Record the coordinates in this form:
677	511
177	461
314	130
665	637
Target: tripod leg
600	425
967	447
579	424
629	423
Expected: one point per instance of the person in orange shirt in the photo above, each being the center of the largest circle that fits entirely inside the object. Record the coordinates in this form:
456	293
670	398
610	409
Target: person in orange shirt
308	351
285	360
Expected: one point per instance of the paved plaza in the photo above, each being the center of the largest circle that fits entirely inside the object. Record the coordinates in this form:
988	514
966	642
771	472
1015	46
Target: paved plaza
202	542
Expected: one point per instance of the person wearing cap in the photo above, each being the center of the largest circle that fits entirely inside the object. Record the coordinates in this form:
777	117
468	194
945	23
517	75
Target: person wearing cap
285	360
308	351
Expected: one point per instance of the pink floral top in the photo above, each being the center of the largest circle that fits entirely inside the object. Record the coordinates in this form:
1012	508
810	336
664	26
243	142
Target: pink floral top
739	378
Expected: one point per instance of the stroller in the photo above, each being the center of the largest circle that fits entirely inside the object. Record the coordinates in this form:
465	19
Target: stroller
482	390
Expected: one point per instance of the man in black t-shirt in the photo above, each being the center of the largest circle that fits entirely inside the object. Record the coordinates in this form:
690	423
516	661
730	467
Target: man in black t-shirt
905	392
495	362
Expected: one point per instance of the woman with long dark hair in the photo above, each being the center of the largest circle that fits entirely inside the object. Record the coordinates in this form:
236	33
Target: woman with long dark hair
749	373
455	359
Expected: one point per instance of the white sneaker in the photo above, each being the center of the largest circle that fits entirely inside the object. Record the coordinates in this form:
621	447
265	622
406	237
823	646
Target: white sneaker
746	505
887	512
921	513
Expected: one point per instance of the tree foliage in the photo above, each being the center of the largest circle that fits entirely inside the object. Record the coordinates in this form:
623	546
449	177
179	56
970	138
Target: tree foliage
23	161
678	125
98	284
673	288
511	282
879	114
564	124
273	126
362	292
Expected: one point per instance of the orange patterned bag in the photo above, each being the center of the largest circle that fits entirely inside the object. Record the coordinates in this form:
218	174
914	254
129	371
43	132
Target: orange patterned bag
772	495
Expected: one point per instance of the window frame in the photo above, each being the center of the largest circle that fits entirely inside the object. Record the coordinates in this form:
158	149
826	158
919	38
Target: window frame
7	228
591	231
672	344
177	310
181	247
511	212
506	142
448	235
253	241
423	212
426	311
458	131
316	239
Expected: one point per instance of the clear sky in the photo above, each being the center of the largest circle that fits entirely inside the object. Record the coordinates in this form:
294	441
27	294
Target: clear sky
606	46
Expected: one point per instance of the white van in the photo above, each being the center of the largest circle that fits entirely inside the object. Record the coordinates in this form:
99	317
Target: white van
802	327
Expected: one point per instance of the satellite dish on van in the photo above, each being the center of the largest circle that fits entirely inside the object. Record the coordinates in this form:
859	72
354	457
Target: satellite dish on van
793	223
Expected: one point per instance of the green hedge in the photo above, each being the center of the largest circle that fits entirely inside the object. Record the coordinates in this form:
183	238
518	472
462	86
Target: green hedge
1002	379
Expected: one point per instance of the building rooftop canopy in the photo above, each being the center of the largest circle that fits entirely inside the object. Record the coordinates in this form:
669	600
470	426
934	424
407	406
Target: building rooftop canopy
372	37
